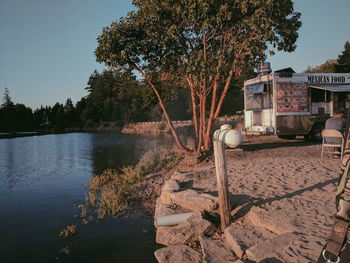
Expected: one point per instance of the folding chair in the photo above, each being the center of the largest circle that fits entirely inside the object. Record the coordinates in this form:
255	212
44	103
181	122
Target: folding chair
332	139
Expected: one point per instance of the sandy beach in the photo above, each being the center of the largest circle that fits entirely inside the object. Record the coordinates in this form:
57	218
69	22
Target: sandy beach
281	186
279	189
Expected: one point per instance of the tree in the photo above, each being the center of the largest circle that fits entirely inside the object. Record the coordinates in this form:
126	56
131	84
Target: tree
200	44
341	65
15	117
330	66
6	99
344	59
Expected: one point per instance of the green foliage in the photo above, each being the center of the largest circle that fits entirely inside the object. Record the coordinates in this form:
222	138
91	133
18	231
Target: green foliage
15	117
341	65
190	36
328	67
89	124
115	95
6	99
200	45
344	59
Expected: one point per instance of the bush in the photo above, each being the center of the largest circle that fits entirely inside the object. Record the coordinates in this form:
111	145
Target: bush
108	192
158	159
162	125
89	124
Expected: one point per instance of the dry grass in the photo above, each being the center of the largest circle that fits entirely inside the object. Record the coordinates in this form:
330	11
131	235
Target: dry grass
68	231
159	159
108	192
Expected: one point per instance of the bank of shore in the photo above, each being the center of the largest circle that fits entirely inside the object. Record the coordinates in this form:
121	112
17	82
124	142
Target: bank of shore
283	199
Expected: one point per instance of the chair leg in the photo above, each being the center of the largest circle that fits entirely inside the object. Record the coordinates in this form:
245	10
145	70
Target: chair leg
322	152
341	153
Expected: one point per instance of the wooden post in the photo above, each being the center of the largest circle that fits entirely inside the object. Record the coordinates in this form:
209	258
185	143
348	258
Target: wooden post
222	183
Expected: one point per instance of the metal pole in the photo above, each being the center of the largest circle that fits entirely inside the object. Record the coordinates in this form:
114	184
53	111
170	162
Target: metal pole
222	182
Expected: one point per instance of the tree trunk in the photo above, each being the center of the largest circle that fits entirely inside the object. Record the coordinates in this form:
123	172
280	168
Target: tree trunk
223	94
194	112
179	144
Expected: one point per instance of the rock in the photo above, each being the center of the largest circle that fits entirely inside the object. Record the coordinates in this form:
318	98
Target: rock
274	220
215	251
194	201
163	210
169	187
181	176
239	236
270	248
185	232
177	254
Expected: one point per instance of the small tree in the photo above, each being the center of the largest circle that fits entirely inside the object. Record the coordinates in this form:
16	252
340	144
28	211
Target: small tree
6	99
200	44
344	59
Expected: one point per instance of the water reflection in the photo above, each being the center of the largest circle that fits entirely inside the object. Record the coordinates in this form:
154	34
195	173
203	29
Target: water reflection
111	151
7	165
41	182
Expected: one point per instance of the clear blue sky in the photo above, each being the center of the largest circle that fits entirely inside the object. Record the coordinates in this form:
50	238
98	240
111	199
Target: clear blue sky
47	46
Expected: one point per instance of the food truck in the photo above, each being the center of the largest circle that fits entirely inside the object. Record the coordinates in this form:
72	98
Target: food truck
288	104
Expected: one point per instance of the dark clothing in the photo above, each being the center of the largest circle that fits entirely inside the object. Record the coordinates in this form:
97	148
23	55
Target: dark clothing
335	123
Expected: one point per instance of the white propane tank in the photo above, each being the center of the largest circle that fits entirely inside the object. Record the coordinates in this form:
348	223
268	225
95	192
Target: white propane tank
232	138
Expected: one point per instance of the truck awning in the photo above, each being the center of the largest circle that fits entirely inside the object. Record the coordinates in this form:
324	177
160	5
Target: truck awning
333	88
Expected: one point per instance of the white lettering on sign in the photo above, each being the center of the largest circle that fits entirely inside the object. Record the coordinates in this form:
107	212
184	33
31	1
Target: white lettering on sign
326	79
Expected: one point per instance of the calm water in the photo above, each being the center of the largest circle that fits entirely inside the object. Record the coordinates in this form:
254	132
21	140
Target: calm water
41	182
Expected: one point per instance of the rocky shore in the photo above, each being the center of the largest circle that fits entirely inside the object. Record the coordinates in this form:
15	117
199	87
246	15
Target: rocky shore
282	197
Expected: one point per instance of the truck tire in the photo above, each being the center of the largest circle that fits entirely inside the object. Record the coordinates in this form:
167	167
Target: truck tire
307	137
316	133
288	137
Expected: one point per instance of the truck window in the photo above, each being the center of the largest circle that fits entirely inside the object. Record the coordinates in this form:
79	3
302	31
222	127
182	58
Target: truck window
319	95
260	98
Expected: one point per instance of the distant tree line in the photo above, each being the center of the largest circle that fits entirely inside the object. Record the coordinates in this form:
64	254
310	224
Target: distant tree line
15	117
115	98
339	65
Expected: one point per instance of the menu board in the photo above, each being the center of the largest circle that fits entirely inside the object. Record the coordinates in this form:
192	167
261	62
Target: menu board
292	97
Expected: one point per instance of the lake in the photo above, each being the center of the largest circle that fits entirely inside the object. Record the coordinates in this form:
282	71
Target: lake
41	183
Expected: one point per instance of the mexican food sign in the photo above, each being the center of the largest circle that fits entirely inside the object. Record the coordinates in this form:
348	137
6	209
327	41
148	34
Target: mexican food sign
292	97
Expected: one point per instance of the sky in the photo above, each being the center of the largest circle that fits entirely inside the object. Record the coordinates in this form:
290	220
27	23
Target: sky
47	46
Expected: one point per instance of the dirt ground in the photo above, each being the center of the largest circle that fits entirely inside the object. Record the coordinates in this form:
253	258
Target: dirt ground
285	180
287	185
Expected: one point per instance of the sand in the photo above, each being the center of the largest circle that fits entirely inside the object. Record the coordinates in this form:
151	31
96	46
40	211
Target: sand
284	187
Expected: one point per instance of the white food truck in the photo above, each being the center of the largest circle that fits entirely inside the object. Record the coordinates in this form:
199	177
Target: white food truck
289	104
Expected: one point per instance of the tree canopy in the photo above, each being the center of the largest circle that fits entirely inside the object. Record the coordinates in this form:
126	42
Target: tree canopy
14	117
328	67
201	44
344	59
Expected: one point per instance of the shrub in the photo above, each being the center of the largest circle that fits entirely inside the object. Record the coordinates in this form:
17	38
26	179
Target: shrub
158	159
108	192
162	125
89	124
